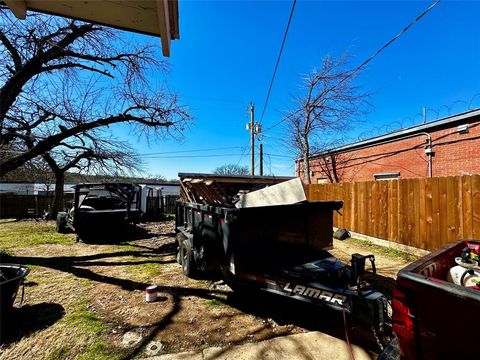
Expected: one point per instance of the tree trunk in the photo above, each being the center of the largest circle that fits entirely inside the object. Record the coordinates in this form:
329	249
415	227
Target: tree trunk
306	168
336	176
58	203
306	160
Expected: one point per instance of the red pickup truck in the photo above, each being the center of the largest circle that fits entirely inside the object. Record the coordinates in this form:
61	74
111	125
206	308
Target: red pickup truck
434	318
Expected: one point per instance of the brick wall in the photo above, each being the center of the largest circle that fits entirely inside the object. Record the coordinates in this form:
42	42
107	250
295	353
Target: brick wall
455	154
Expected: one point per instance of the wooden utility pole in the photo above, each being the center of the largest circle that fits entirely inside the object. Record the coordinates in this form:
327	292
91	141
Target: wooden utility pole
255	129
252	137
261	159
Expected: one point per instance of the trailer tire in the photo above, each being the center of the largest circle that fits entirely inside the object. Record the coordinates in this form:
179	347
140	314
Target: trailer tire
61	224
188	263
206	248
180	239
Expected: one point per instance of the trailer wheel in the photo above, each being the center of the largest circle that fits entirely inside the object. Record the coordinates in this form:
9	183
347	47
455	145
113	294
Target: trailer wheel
61	225
188	264
180	239
206	249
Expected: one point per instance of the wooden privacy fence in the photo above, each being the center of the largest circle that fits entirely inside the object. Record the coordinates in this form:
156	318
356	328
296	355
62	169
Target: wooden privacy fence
18	206
424	213
169	204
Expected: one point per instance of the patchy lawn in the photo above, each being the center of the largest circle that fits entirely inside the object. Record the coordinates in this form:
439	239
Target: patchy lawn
18	234
81	299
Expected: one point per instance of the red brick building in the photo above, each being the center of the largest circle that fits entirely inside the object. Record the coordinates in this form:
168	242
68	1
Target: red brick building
444	147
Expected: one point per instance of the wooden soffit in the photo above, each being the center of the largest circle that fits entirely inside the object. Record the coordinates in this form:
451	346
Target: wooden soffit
151	17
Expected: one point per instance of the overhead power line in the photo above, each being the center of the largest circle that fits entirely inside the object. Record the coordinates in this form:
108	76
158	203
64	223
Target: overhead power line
191	156
190	151
208	156
374	55
278	60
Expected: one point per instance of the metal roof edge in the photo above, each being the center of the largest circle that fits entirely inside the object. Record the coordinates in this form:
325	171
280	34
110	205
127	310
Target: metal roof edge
182	175
403	132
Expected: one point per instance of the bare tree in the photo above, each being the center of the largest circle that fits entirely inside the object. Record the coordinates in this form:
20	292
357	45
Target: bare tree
66	84
332	166
231	169
103	157
324	110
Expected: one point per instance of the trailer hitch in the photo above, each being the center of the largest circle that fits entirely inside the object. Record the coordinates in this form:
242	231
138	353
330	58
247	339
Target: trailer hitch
358	267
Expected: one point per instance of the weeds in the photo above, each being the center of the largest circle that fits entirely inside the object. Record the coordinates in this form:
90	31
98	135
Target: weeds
384	250
145	271
58	354
217	302
84	320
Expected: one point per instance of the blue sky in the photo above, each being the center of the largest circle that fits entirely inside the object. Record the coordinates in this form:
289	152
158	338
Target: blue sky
227	51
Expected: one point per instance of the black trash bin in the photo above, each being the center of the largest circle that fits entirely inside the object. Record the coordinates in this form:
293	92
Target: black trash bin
11	277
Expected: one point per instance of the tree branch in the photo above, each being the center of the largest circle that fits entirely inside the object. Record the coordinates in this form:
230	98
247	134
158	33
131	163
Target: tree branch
72	65
11	49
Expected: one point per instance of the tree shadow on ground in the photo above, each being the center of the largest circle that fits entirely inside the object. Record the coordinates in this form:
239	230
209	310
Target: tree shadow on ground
76	265
23	321
164	249
264	306
116	235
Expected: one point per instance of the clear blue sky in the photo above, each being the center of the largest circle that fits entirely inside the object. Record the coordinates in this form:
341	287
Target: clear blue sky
227	51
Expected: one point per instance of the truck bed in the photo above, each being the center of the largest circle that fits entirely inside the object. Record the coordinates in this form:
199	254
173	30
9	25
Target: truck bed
432	318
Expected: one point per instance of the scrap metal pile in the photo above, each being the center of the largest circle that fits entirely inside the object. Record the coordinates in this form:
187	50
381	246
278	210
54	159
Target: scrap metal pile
231	190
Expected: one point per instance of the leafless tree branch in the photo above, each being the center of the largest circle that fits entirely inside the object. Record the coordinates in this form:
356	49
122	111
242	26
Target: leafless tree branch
328	107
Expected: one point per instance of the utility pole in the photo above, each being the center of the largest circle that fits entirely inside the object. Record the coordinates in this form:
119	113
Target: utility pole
261	159
254	129
252	137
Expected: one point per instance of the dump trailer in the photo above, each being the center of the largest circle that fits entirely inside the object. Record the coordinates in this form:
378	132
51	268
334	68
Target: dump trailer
100	208
262	234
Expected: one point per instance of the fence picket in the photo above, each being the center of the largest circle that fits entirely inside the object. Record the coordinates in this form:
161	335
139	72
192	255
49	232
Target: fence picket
425	213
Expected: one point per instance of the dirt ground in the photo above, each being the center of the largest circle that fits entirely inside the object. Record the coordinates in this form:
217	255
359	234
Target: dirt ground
81	299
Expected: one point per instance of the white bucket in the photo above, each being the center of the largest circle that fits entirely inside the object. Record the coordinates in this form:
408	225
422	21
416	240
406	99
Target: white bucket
151	293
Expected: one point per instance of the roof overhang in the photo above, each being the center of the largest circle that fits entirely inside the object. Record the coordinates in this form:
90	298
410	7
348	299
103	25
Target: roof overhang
151	17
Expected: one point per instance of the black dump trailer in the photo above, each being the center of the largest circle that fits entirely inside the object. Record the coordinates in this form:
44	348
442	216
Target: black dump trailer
100	208
281	249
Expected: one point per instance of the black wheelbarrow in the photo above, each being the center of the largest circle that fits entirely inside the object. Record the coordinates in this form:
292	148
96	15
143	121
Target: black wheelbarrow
11	278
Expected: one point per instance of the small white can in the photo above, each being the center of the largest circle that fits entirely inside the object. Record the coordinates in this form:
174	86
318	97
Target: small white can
151	293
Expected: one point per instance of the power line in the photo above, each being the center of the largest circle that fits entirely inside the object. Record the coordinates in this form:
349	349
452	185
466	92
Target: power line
278	155
244	151
278	60
191	156
189	151
353	72
208	156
